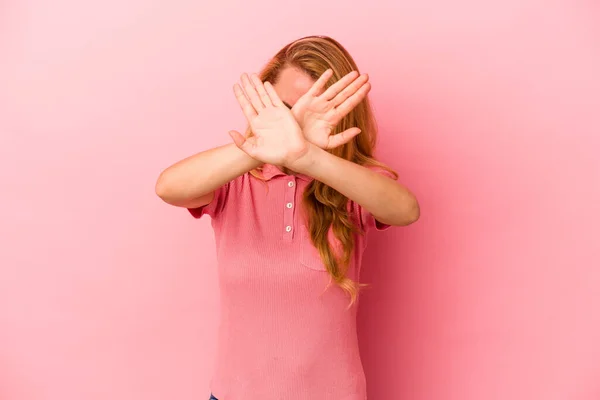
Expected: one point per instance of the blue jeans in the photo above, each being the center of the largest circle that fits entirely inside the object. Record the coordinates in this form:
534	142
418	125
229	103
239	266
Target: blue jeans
212	397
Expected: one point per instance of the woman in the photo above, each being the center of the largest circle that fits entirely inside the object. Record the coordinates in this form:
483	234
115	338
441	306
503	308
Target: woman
291	202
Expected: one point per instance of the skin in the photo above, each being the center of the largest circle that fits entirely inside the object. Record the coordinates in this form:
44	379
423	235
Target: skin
279	139
295	139
291	85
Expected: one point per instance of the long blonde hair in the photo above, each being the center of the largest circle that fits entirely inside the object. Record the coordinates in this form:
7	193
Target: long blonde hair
325	207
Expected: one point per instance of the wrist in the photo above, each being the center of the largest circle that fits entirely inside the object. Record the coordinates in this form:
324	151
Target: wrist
245	158
308	161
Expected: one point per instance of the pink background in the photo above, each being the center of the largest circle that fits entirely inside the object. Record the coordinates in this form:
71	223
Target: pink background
489	111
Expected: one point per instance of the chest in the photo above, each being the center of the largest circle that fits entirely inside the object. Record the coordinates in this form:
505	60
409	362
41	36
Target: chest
263	230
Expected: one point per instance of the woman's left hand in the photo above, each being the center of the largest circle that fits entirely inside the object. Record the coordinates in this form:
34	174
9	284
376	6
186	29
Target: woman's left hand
319	111
278	139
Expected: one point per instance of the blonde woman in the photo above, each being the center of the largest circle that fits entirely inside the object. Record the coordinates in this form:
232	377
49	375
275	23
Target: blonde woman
291	202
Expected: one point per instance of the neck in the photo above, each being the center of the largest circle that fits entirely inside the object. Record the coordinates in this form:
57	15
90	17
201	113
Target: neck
287	171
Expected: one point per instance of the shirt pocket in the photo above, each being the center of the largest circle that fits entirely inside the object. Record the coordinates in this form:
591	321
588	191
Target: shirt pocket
309	255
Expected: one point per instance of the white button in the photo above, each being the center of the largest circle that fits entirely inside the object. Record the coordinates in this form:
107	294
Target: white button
288	228
289	205
290	183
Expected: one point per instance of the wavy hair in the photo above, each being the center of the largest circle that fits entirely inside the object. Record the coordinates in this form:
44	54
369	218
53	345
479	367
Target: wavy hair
324	207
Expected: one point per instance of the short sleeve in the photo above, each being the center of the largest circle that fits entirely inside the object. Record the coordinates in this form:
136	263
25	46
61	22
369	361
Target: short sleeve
216	205
365	218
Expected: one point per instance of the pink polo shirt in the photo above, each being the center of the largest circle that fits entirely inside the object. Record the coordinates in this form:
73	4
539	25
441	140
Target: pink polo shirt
282	336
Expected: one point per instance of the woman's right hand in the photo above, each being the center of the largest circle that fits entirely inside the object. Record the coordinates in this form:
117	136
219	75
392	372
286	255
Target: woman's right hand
318	111
277	138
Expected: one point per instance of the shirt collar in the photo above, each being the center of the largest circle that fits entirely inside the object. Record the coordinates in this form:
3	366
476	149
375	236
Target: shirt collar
270	171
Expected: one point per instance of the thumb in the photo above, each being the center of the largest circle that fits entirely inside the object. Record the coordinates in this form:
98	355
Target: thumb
342	138
238	138
244	144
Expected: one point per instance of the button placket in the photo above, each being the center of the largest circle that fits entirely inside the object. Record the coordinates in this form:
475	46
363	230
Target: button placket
288	212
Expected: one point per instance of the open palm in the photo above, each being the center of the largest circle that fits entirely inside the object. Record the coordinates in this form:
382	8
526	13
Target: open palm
277	138
318	111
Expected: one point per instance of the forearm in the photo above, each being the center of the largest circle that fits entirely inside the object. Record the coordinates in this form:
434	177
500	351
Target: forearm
388	201
202	173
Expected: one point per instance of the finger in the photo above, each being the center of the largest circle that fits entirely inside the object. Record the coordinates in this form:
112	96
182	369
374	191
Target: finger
350	90
252	93
317	87
241	142
353	100
238	138
273	95
337	87
247	107
342	138
260	88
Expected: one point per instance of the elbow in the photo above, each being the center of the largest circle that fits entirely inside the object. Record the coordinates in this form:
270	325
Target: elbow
409	214
172	190
413	213
403	215
162	188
